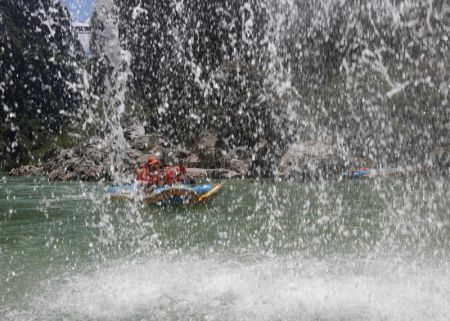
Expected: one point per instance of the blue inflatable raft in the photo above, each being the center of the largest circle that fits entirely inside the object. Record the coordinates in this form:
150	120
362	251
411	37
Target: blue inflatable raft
177	194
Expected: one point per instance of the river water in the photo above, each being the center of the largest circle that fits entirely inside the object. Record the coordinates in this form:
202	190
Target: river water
355	250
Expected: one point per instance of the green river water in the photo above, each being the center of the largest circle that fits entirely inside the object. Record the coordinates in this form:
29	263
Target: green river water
354	250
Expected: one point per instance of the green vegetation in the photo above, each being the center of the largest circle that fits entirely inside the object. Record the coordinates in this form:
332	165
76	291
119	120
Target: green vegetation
39	78
371	77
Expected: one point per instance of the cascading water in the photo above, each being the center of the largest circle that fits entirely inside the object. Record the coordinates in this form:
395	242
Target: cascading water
113	98
270	79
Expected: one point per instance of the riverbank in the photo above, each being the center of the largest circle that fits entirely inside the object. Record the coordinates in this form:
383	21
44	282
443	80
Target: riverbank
310	160
91	160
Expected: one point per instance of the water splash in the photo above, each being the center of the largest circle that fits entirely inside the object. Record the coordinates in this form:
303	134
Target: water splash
287	288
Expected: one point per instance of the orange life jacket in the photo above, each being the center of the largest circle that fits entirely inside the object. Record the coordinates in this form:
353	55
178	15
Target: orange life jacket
168	175
154	177
141	174
180	173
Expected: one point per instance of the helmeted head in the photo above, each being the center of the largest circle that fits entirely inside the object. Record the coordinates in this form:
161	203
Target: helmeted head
153	162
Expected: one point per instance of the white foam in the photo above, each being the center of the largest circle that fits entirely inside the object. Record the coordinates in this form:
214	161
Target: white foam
164	288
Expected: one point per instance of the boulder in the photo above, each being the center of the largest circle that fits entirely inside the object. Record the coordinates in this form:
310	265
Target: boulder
192	160
216	173
241	167
132	156
241	153
311	159
441	158
197	173
27	170
141	143
222	173
206	150
134	132
90	160
160	153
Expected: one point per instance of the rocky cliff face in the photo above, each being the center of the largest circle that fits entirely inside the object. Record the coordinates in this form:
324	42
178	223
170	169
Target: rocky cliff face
90	161
308	160
41	66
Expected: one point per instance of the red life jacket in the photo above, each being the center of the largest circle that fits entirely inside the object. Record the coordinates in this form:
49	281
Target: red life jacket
168	175
154	177
141	174
180	173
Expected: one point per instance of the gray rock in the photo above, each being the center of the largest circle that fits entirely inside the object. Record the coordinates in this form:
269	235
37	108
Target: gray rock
181	153
160	153
27	170
90	160
240	153
240	166
206	150
142	143
222	173
134	131
311	159
192	160
197	173
216	173
441	158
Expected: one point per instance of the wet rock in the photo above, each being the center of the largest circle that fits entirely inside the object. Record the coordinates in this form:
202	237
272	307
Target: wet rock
141	143
160	153
241	153
311	159
134	132
238	160
192	160
197	173
87	162
441	158
180	153
144	142
132	156
216	173
143	159
176	154
27	170
206	150
241	167
222	173
90	160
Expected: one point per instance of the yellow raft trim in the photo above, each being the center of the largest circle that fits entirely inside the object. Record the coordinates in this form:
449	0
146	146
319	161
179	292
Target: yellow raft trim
187	193
209	194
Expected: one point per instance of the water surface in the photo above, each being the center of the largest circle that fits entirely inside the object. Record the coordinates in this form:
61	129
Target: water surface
362	250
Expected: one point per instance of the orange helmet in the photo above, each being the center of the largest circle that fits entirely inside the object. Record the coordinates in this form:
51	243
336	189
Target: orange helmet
153	161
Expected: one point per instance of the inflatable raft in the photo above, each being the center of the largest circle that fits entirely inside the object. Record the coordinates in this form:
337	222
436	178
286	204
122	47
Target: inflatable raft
178	194
369	173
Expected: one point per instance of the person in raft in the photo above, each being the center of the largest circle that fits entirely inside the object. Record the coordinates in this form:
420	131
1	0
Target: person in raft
181	174
152	175
141	173
168	175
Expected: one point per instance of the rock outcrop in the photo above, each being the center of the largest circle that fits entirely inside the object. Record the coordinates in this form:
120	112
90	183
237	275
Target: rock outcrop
90	161
28	170
306	160
441	158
